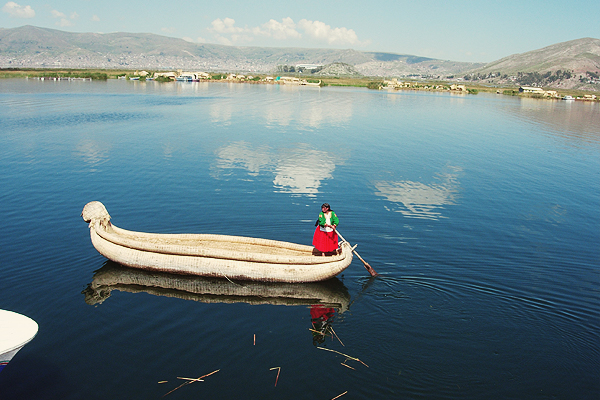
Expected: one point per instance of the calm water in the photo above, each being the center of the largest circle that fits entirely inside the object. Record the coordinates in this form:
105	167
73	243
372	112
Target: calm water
481	213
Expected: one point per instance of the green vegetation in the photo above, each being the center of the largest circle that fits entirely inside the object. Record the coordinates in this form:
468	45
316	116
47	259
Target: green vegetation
46	73
291	69
542	79
592	75
480	77
538	79
87	75
374	85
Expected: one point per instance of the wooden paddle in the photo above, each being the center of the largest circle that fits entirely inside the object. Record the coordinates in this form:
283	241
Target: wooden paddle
367	266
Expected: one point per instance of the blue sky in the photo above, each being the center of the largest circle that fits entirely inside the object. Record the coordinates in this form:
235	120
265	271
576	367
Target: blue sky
458	30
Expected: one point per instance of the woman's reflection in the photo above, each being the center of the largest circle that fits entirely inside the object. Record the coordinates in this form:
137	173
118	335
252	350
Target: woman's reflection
321	317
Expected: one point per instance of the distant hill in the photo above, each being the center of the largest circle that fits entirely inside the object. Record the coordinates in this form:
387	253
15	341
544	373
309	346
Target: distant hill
569	65
34	47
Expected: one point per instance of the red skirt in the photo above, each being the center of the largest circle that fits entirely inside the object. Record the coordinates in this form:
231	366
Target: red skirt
325	241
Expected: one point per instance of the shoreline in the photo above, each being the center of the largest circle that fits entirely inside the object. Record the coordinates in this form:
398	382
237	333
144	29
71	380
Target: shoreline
374	83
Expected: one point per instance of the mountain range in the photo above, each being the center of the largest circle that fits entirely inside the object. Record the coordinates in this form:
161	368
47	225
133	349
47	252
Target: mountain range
35	47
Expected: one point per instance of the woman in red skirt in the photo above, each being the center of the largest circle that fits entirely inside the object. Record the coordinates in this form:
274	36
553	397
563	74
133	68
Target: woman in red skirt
325	238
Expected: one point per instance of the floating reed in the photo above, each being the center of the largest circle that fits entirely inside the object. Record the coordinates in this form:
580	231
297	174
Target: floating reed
338	338
319	332
190	380
339	395
278	371
345	355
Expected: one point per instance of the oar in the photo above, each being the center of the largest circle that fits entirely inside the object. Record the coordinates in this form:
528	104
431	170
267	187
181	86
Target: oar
367	266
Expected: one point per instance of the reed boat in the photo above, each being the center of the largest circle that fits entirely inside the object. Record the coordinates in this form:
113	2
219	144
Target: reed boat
230	257
16	331
112	276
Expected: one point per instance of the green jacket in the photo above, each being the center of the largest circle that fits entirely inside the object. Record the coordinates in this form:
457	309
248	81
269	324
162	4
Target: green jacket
334	219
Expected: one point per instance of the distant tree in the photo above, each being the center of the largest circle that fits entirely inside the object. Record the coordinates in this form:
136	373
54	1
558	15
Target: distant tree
374	85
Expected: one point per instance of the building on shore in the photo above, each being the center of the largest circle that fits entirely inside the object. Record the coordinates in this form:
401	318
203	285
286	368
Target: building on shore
531	89
458	88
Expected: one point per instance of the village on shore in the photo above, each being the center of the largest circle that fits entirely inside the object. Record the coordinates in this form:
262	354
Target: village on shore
393	84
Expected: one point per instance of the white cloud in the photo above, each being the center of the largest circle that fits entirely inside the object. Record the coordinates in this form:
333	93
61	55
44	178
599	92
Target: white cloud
64	22
241	39
17	11
225	26
226	32
95	18
223	40
63	19
278	30
325	33
168	30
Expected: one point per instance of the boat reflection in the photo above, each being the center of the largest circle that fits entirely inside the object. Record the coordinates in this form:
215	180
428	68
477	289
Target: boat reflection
112	276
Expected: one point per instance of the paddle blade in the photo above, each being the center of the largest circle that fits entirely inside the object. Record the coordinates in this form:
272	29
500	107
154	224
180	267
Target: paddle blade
371	270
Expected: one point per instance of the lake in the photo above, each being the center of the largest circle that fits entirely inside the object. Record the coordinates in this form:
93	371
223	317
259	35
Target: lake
481	213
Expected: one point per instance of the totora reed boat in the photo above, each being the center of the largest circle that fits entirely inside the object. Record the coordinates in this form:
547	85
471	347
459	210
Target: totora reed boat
16	331
231	257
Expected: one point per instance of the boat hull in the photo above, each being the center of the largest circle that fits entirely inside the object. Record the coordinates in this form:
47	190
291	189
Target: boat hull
16	331
230	257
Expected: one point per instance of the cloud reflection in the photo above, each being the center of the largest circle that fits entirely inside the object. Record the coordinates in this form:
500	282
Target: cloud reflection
92	152
221	113
241	155
299	170
419	200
